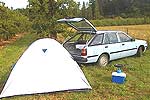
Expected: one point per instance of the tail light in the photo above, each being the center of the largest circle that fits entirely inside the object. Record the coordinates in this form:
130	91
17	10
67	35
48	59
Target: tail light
83	52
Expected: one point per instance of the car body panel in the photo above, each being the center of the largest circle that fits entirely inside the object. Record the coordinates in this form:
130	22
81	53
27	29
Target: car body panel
127	48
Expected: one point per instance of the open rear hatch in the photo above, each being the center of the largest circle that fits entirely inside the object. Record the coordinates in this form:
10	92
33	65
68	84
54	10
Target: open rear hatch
76	45
79	24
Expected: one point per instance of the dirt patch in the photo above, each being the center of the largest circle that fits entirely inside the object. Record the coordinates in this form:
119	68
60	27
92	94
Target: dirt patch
3	43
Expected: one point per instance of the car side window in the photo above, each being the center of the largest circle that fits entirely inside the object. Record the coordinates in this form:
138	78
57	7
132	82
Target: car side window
106	39
98	39
113	37
123	37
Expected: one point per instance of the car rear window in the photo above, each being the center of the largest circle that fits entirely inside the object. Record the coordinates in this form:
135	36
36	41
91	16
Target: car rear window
98	39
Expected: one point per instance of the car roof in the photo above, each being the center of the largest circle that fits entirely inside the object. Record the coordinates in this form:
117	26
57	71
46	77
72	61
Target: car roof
107	31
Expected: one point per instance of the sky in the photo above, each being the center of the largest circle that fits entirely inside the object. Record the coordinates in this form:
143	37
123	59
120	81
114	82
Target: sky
23	3
15	3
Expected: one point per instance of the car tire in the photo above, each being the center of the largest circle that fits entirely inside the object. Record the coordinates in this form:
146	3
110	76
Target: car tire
140	51
103	60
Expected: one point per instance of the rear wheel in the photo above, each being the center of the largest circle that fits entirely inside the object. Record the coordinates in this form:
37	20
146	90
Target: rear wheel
140	51
103	60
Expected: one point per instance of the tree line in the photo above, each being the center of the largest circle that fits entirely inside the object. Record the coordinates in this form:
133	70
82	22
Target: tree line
41	15
97	9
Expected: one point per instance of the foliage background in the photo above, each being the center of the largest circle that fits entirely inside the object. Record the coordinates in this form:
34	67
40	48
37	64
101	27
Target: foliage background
40	16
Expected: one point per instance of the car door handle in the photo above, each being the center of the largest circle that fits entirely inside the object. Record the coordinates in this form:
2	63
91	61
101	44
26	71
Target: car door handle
106	46
123	44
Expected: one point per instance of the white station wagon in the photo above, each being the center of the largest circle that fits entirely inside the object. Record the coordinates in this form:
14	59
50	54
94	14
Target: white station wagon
89	45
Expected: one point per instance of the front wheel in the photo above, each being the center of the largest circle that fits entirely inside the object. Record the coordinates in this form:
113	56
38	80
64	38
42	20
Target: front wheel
140	52
103	60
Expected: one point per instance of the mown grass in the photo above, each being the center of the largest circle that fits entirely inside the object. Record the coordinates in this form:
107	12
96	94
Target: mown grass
136	86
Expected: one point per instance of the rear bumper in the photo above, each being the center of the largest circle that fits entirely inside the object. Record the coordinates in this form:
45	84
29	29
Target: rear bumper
79	59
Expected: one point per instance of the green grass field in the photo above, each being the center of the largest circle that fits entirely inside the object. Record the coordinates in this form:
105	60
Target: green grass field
136	86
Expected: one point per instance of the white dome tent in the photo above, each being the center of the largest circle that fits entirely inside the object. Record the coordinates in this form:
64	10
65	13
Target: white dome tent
44	67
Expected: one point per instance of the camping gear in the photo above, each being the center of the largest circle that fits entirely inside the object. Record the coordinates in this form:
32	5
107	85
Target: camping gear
118	76
46	66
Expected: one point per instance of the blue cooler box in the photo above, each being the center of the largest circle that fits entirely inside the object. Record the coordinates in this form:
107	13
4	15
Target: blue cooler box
118	77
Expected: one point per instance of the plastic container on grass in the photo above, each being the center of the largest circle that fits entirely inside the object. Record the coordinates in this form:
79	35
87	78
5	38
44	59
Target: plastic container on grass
118	76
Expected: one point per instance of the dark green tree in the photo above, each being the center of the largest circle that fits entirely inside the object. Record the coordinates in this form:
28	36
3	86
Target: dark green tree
44	14
83	10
